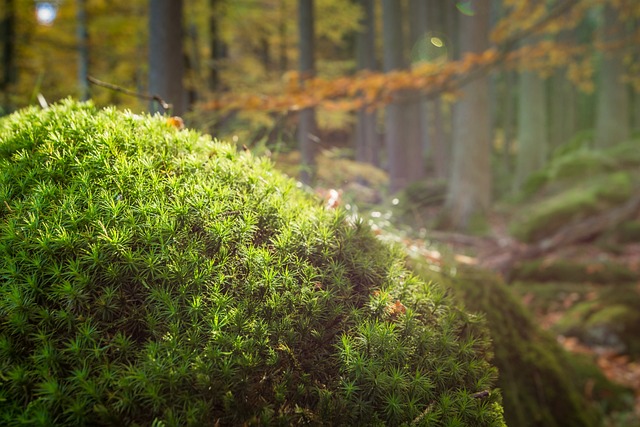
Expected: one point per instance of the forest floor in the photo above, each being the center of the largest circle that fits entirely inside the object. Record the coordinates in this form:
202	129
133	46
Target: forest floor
551	305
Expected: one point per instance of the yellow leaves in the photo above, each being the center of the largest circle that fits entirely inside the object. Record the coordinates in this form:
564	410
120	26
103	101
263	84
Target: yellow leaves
581	74
349	93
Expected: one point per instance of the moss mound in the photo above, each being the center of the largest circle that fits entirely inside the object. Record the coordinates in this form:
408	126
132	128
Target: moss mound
592	197
541	384
152	276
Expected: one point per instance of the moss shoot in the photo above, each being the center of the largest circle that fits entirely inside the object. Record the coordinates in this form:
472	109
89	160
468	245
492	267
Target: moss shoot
154	276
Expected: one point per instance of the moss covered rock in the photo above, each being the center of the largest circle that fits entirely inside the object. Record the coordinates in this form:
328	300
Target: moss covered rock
153	276
543	218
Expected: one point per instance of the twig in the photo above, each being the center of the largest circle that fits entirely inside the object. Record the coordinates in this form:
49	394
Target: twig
120	89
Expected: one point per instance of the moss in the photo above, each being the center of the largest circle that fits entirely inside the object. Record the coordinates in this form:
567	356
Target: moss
592	197
626	154
611	319
570	168
560	270
539	384
153	276
611	398
628	232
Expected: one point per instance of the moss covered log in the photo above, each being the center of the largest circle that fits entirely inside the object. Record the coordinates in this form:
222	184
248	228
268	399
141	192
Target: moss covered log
154	276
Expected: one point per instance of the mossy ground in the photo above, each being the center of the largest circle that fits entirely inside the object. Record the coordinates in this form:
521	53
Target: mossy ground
599	316
538	380
543	218
151	275
561	270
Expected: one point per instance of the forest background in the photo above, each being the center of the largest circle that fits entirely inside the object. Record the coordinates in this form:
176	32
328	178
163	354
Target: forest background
441	111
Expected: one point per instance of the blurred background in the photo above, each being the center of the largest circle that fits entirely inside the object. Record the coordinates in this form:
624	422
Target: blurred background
503	134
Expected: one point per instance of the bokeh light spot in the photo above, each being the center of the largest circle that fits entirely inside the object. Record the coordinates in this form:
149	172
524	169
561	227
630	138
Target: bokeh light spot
46	13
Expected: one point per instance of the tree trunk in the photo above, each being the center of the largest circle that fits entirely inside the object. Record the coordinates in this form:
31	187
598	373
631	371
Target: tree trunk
532	126
166	58
404	150
7	49
282	32
307	128
562	101
635	90
636	111
366	137
416	116
469	192
508	125
612	117
562	110
440	155
83	49
217	46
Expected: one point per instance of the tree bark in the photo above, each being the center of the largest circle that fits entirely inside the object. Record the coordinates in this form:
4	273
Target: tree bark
404	150
469	192
217	46
307	127
562	101
416	114
166	58
367	145
508	125
440	156
7	46
532	126
83	49
612	117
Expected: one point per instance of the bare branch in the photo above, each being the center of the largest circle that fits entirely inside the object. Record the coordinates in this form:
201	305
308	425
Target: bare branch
165	106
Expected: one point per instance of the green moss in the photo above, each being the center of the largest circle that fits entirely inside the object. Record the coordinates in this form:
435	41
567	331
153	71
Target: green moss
549	215
611	319
626	154
153	276
569	168
572	271
628	232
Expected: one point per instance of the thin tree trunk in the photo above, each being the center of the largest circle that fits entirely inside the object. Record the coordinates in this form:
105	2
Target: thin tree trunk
217	46
532	126
404	149
366	137
562	101
612	117
307	128
636	111
282	32
83	49
469	192
8	37
416	115
166	58
508	124
440	155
